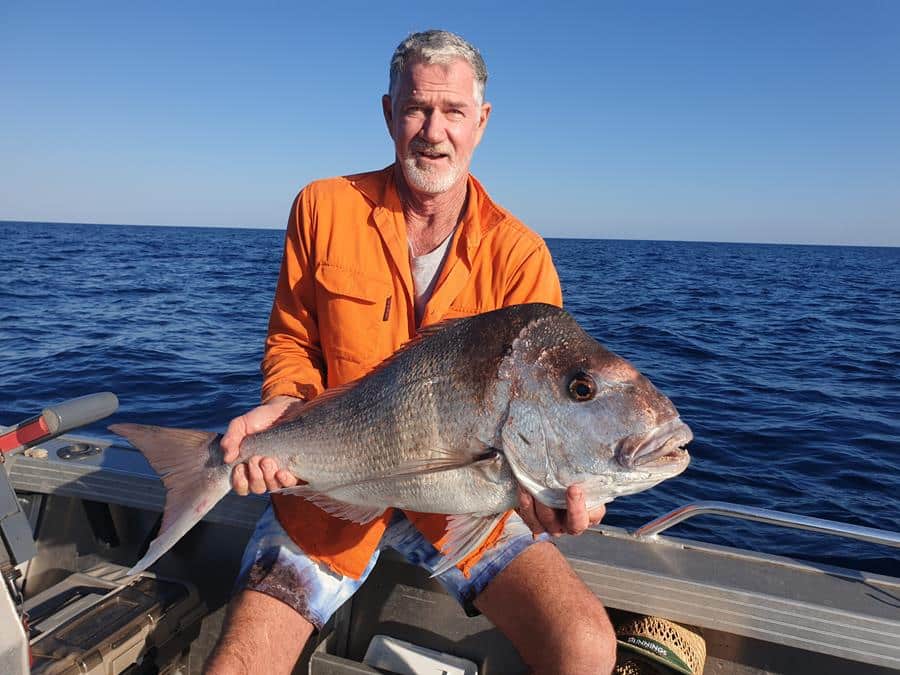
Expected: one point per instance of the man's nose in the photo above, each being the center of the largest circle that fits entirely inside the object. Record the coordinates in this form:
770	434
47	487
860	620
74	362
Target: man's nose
434	128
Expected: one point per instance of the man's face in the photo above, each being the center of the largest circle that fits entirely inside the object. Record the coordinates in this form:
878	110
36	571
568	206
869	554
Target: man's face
436	122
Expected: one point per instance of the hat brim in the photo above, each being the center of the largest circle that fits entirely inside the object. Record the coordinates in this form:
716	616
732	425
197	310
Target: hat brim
655	651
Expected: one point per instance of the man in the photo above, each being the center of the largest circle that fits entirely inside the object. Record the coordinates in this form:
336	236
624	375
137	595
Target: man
369	259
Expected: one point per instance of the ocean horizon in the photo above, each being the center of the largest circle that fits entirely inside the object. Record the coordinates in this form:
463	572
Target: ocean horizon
280	228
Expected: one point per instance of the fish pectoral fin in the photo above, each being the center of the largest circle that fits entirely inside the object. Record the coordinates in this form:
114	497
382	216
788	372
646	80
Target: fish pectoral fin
438	459
467	532
352	512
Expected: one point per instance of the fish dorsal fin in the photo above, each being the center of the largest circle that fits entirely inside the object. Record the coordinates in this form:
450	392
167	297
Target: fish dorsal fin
431	329
290	413
466	534
321	399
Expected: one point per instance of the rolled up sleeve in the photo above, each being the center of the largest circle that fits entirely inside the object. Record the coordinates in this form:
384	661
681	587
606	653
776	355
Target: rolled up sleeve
293	363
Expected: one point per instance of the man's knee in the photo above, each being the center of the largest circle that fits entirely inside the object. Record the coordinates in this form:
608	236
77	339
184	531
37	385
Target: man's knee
586	643
557	624
589	646
261	634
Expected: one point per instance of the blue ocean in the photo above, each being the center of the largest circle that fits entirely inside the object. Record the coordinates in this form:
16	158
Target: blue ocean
784	360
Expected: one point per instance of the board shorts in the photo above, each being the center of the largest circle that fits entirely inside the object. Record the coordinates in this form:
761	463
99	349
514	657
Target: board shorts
273	564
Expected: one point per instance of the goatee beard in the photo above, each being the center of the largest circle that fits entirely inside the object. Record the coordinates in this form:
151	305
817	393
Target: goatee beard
429	180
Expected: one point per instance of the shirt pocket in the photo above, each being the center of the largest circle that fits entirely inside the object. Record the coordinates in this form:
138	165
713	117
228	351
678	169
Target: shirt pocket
352	309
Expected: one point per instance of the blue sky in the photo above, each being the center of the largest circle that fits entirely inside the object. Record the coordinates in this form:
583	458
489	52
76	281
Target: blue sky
723	121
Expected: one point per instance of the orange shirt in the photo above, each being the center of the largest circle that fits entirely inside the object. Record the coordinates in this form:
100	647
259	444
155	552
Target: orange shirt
345	302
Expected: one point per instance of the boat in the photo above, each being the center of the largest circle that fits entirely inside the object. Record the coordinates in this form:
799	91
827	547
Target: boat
78	511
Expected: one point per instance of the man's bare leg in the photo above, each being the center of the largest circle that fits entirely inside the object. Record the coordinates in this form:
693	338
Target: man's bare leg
558	626
261	635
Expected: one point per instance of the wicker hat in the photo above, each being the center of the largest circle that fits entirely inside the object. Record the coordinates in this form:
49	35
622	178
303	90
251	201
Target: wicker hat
661	642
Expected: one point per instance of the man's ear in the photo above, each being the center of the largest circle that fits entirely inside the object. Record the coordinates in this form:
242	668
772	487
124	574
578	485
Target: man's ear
484	114
388	109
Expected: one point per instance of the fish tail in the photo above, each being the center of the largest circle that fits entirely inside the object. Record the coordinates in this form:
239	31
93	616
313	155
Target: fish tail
192	469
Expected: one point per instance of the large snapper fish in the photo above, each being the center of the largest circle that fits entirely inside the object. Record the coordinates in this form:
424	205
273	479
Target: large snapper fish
451	424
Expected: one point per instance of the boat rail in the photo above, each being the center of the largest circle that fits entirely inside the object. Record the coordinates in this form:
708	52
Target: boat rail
868	534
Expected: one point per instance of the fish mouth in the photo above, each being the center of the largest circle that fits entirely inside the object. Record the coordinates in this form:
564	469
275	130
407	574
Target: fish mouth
660	448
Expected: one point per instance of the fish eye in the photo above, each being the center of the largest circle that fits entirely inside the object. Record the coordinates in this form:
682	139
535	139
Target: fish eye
582	387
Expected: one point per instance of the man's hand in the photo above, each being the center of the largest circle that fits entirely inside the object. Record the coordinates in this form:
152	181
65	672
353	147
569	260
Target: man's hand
573	520
258	474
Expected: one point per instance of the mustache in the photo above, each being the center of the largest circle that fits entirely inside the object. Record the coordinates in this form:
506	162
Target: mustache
418	145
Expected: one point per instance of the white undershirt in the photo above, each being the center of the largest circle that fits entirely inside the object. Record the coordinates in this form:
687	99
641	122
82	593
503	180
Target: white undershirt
426	269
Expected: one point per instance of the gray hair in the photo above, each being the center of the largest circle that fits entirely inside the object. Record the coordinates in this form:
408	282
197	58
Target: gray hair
437	46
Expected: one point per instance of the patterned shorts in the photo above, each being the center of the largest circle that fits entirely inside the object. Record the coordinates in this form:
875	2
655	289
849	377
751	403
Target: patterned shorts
273	564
